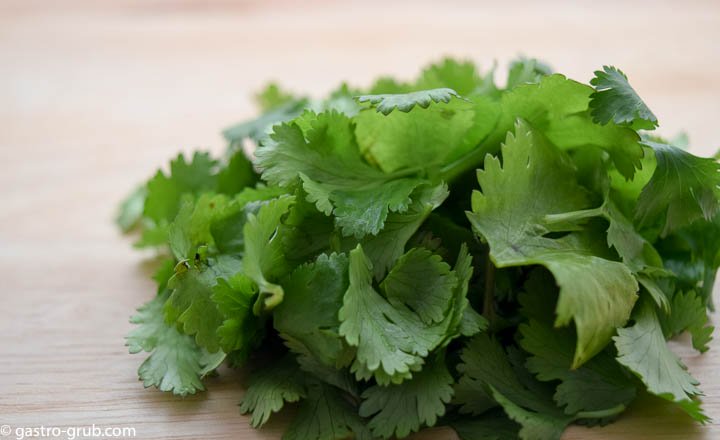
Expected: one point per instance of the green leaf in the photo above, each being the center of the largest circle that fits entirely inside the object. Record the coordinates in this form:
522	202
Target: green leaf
683	188
273	96
393	339
270	388
389	244
131	209
688	312
326	415
236	175
437	136
493	425
461	76
615	100
386	103
398	410
534	425
315	289
240	329
558	108
534	181
258	129
164	192
485	364
176	363
600	384
192	226
642	348
191	304
264	257
526	71
423	282
333	172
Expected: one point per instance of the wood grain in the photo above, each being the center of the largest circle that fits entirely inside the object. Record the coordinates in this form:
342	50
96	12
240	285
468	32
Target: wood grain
95	95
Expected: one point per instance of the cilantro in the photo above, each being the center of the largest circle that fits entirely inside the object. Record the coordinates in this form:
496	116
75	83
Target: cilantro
402	409
507	260
642	348
386	103
270	388
615	100
682	189
176	363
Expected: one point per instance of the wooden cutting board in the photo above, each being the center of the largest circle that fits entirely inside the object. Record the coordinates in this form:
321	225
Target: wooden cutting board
95	95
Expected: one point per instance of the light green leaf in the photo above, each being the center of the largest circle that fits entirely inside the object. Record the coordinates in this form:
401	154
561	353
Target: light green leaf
405	102
325	156
264	257
131	209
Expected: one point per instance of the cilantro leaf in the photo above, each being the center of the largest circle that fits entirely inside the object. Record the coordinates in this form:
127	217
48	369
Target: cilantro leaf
526	70
398	410
386	103
270	388
493	425
389	244
615	100
533	425
258	129
190	303
437	135
536	180
315	289
176	363
325	415
688	312
131	209
599	384
387	337
423	282
558	107
240	329
164	192
461	76
683	188
642	348
333	173
263	251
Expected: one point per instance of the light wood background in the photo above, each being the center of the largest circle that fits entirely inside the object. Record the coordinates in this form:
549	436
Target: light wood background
95	95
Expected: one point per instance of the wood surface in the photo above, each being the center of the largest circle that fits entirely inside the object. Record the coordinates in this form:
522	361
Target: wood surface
95	95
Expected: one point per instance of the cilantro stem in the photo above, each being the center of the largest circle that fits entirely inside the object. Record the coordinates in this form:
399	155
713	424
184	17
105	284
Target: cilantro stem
489	294
601	414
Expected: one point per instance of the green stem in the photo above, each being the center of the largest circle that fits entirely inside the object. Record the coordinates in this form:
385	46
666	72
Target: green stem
575	215
601	414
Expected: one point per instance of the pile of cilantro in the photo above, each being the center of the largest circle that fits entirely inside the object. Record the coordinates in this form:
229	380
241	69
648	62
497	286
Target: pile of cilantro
506	261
